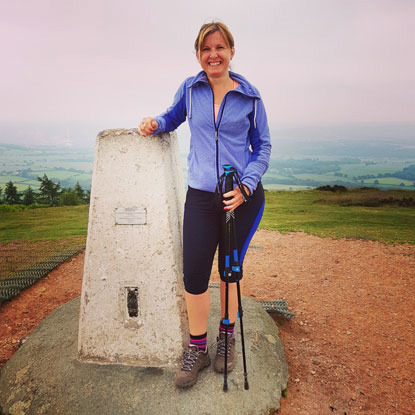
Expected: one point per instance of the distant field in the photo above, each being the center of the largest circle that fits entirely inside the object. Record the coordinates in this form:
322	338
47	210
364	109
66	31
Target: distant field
303	173
389	181
66	179
304	166
21	183
22	165
56	174
285	187
380	166
311	211
327	178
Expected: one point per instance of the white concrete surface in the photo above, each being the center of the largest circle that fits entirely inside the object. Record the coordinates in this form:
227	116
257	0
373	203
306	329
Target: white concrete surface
134	244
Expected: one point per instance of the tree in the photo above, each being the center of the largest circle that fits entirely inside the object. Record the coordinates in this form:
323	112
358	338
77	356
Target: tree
88	195
29	196
1	191
79	191
10	194
69	197
49	190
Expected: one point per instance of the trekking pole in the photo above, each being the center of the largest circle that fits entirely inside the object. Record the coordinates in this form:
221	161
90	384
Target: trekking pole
228	271
232	266
240	314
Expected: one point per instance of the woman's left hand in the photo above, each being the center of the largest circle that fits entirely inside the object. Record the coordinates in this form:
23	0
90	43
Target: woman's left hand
235	198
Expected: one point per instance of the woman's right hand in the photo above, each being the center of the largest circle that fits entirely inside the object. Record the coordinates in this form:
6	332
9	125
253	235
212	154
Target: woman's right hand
147	126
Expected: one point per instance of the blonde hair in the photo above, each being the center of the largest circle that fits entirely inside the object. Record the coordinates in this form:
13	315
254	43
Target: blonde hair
209	28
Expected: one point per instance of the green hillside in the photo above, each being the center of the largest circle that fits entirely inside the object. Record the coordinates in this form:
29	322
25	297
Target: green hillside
387	216
360	214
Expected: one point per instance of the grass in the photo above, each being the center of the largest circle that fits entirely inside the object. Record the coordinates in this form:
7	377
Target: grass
33	235
46	224
316	212
371	197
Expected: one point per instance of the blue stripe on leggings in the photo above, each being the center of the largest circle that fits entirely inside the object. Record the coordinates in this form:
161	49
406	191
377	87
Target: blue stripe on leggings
251	232
235	255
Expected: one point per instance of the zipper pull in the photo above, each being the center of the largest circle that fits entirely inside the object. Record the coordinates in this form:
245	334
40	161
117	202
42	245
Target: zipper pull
216	135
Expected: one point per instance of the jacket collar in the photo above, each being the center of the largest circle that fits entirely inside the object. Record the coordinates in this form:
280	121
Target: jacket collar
244	86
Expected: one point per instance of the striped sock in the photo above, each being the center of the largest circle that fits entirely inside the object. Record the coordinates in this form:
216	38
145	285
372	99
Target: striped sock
222	328
199	341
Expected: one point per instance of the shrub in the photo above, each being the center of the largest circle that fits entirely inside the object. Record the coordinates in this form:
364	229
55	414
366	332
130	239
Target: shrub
18	208
69	198
334	188
11	208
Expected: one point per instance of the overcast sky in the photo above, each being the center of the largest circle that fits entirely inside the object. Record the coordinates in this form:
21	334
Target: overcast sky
112	62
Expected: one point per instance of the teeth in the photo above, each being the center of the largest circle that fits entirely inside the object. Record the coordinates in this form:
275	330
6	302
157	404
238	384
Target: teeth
214	63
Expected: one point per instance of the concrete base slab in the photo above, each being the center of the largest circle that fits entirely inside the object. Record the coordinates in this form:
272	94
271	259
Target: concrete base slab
45	377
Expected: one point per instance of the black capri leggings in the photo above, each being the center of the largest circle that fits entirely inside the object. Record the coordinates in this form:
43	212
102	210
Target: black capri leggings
204	229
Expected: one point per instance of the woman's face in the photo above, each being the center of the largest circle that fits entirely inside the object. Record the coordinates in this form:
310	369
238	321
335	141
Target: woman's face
215	55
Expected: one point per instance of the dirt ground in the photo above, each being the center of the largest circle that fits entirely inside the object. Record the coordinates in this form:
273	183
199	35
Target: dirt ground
350	347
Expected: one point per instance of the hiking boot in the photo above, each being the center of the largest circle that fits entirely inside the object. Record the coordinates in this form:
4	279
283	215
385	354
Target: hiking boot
219	365
194	360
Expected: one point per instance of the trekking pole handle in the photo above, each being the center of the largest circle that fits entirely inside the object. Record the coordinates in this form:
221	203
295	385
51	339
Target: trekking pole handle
229	173
233	173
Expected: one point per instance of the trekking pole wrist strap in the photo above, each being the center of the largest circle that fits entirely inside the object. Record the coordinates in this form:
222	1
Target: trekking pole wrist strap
245	195
219	185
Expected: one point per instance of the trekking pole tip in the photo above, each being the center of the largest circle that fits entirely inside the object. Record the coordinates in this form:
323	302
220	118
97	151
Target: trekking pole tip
225	387
246	385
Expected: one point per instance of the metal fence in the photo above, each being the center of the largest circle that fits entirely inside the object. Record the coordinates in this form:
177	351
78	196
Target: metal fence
24	263
276	306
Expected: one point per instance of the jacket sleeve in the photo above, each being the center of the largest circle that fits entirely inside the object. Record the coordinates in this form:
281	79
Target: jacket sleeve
175	114
261	148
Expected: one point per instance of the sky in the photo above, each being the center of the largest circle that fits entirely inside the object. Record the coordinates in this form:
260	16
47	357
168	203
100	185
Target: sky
110	63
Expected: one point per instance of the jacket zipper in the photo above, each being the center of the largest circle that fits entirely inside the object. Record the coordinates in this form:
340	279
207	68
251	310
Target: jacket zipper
217	129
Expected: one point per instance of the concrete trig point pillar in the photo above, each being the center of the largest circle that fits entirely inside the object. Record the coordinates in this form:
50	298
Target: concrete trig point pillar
132	303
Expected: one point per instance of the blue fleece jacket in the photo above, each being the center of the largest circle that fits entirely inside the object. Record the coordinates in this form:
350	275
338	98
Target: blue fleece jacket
239	137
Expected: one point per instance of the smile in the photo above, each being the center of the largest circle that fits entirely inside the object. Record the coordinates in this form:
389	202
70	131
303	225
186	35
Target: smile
214	63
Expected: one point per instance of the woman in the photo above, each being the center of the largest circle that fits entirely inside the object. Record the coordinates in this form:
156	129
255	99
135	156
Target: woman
228	125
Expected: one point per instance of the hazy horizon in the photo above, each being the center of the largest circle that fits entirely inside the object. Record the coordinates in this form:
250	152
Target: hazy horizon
78	135
315	63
